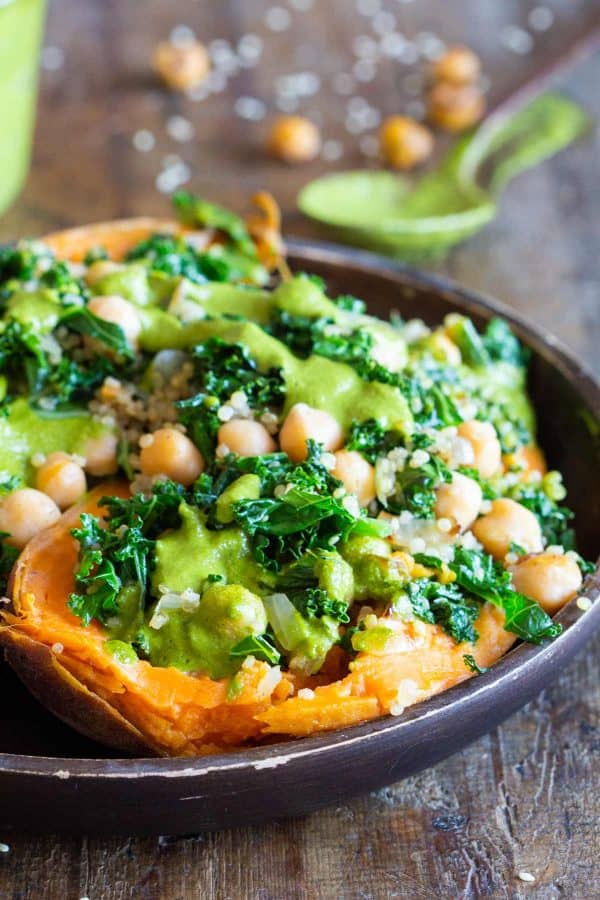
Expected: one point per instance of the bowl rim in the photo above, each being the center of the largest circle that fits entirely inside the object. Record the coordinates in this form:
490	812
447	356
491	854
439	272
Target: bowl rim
578	625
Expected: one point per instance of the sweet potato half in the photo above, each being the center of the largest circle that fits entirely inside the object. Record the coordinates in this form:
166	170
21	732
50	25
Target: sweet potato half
141	709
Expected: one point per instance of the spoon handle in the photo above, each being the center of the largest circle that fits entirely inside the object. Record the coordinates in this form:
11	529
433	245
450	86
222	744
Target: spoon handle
578	50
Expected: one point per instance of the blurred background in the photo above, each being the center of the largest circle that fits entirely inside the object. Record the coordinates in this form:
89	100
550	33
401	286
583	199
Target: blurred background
112	140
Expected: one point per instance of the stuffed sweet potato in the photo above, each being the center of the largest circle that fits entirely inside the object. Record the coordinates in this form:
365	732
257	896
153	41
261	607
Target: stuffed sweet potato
244	509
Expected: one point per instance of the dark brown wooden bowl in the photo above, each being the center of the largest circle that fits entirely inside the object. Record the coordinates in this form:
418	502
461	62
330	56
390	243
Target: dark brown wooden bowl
52	780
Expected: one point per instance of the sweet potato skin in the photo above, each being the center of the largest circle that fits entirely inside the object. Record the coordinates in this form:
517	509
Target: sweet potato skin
41	672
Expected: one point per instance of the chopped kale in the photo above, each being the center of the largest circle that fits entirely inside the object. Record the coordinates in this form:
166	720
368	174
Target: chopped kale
305	336
284	528
481	578
316	603
223	368
174	256
70	381
300	582
432	406
473	666
276	469
34	262
554	519
502	344
59	278
82	320
445	605
371	439
199	415
95	254
415	488
22	352
194	211
20	263
120	554
259	646
351	304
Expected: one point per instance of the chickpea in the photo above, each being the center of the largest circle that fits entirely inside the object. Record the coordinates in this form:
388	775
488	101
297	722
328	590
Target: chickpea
459	500
246	437
404	143
294	139
484	441
181	66
100	454
508	522
170	453
454	107
547	578
26	512
356	474
458	65
304	422
62	479
120	312
529	460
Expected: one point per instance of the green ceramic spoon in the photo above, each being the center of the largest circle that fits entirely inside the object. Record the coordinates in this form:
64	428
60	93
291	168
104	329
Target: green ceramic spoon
380	210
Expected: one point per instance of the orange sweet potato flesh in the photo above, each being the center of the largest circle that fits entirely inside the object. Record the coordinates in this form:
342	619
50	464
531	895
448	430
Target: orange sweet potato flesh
116	237
140	709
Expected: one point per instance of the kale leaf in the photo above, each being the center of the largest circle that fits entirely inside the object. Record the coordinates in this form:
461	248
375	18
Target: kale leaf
300	583
445	605
276	469
315	603
481	576
284	528
321	336
194	211
22	351
351	304
257	645
223	368
371	439
415	488
554	519
473	666
174	256
120	554
502	345
82	320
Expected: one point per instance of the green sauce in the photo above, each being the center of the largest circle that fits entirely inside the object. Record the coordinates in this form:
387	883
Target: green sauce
186	557
39	309
24	432
332	386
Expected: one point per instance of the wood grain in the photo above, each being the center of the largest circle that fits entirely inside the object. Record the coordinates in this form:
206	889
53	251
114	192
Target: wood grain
525	798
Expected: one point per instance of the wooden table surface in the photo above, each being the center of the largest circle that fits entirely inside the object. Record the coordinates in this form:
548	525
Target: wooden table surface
526	797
